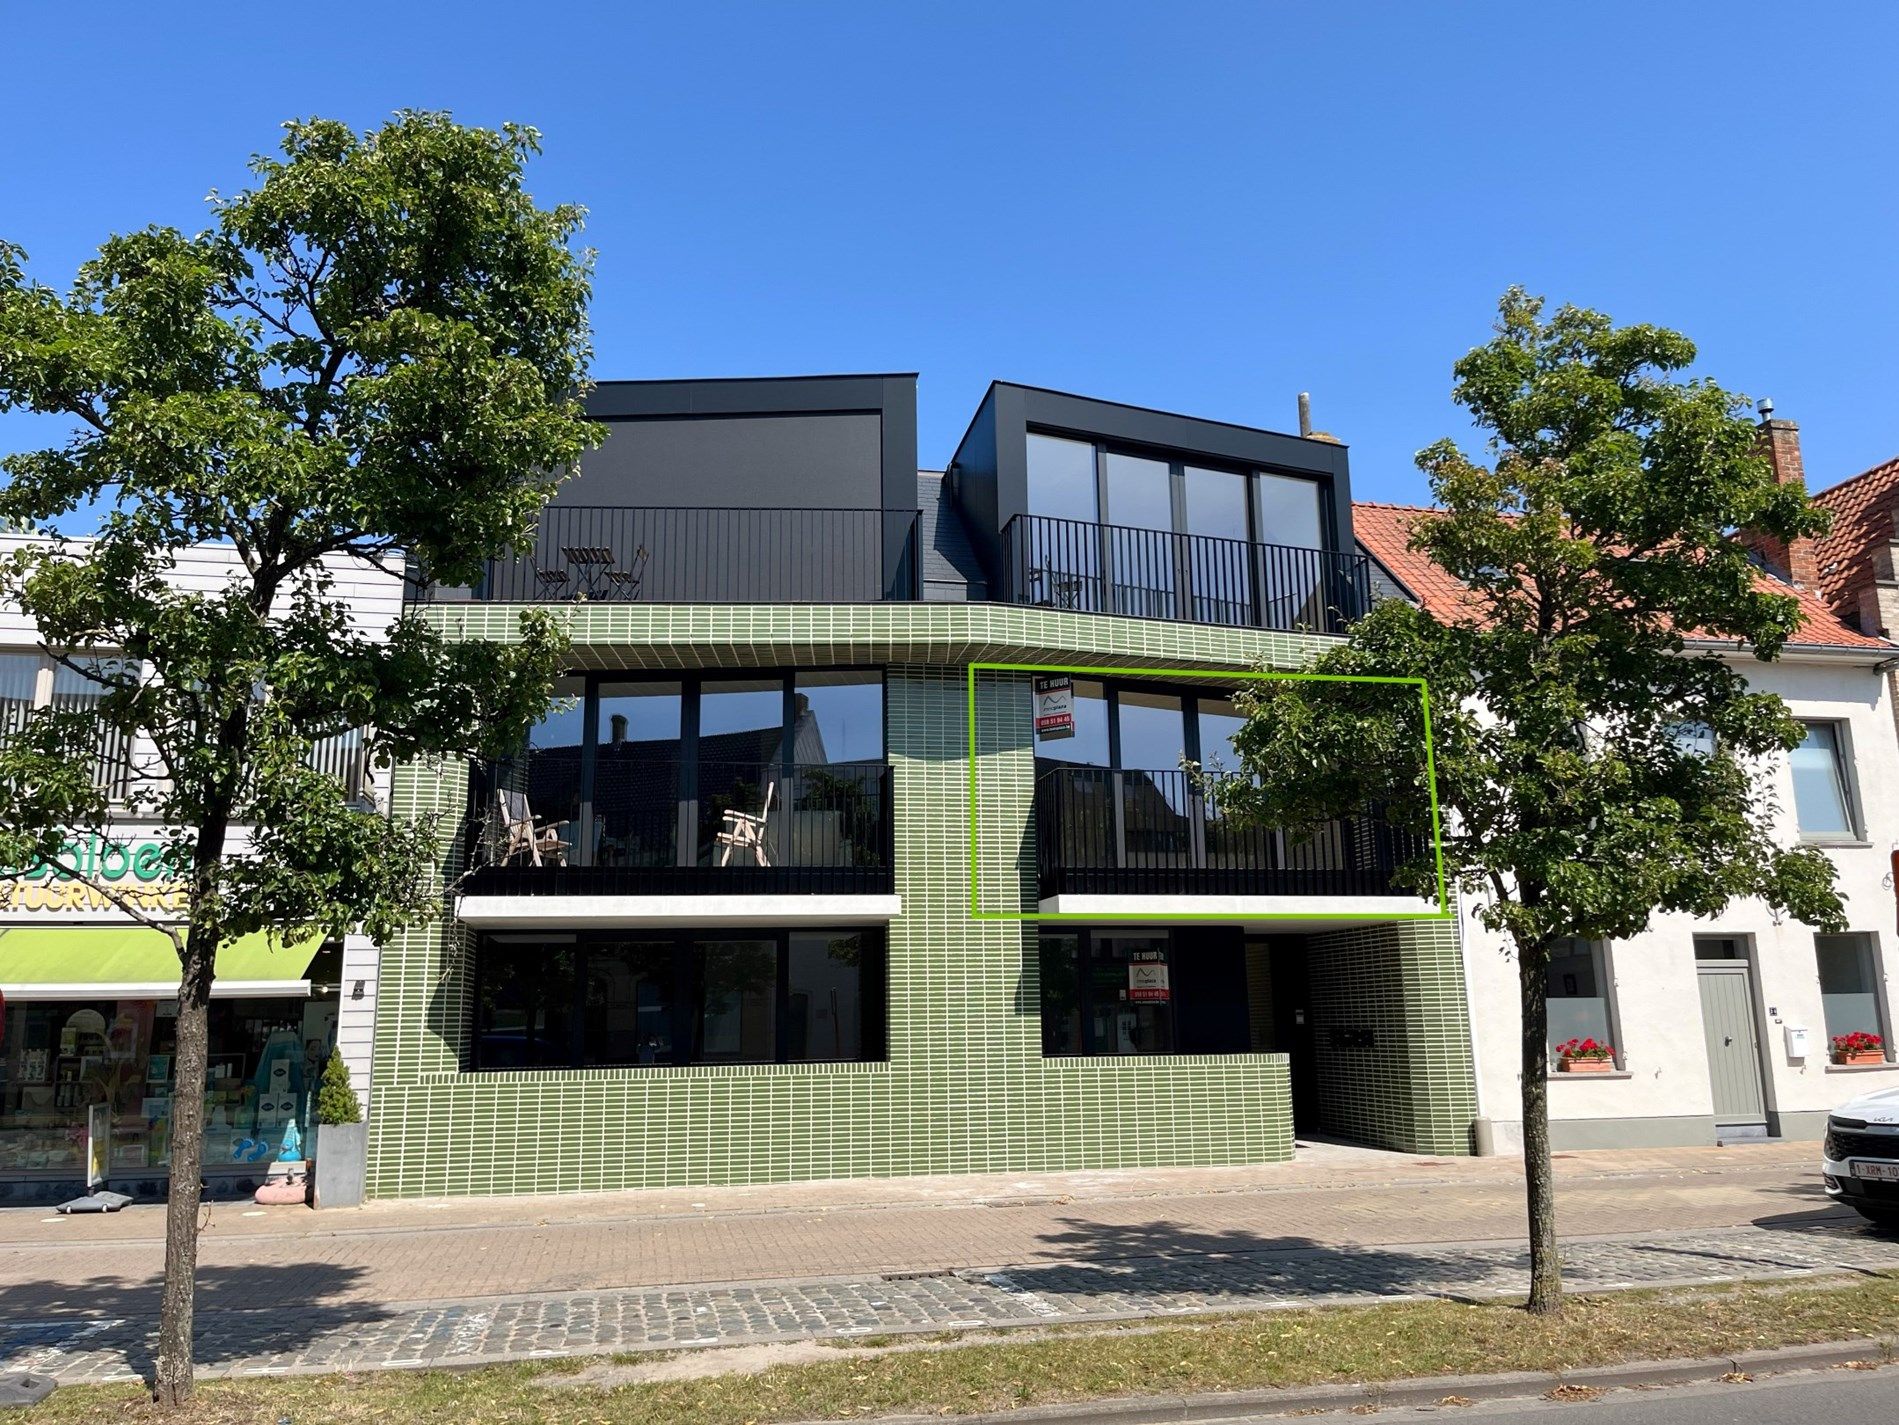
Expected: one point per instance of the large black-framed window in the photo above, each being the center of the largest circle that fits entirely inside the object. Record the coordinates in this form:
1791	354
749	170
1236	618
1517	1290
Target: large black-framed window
606	999
1120	992
641	771
1108	482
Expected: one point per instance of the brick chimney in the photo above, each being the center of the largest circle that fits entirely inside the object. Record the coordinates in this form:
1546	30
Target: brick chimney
1799	561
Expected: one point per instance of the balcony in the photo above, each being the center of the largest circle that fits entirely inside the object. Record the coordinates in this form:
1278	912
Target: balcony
774	844
1112	841
1192	578
617	554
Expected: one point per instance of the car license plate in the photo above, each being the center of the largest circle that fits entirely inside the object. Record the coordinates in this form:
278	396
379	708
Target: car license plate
1886	1172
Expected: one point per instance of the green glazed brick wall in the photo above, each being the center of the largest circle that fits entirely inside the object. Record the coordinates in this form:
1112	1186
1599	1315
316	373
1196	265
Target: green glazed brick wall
965	1088
1415	1088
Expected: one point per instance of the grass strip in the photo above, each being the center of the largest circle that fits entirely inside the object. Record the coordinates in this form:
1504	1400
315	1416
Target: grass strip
1259	1350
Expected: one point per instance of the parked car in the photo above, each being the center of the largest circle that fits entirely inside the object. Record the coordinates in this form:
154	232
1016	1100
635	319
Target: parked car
1860	1159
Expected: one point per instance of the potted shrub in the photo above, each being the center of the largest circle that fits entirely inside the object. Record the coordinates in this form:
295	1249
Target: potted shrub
1858	1047
342	1139
1585	1056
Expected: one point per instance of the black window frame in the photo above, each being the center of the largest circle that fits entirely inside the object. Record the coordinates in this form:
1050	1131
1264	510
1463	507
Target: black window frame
691	691
873	995
1177	461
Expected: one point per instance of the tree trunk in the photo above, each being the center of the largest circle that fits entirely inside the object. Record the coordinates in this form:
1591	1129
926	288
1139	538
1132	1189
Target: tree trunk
172	1380
1546	1275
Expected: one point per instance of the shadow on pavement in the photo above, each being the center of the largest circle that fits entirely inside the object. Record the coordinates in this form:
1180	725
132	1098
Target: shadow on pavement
1169	1257
240	1312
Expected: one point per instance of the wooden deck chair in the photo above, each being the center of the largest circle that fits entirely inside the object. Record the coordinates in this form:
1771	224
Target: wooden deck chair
744	832
521	832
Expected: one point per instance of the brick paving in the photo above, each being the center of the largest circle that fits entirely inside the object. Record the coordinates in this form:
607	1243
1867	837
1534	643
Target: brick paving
298	1337
408	1284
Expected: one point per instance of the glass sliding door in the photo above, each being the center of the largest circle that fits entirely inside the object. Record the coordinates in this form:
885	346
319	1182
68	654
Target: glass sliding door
636	777
1155	798
834	803
1218	572
1059	563
1289	521
1140	555
741	767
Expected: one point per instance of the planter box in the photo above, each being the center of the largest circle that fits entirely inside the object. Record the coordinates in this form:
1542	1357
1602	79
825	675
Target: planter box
341	1156
1861	1056
1588	1066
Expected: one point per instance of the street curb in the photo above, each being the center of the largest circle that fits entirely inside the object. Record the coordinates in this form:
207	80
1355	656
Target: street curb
1429	1390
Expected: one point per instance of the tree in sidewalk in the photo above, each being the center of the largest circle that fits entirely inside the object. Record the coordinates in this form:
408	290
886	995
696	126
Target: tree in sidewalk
1593	767
375	357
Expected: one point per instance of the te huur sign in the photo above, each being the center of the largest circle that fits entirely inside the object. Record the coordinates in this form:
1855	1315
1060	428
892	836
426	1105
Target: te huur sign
1054	707
136	871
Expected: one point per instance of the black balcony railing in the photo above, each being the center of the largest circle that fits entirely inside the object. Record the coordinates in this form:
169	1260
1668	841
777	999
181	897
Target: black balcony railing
620	554
1193	578
1103	832
663	826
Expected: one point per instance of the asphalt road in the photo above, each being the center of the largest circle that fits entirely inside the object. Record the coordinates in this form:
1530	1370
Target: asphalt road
1820	1397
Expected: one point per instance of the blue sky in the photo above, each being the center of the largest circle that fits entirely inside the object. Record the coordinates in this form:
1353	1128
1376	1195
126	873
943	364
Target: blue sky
1205	208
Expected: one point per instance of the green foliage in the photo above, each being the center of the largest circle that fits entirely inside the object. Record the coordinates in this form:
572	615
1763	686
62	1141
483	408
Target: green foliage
336	1100
374	358
1599	547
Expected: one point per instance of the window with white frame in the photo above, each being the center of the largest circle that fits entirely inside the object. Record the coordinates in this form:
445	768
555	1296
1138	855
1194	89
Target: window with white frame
1578	998
1849	986
1823	785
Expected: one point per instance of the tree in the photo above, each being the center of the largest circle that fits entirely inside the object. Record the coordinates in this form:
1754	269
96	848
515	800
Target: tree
376	354
336	1102
1570	712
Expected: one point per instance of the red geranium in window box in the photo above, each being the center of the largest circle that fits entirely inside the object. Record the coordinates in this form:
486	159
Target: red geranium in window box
1585	1056
1858	1047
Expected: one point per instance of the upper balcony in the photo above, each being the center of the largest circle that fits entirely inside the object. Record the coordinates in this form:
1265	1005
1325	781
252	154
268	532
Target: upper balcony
1159	574
1111	841
658	839
706	555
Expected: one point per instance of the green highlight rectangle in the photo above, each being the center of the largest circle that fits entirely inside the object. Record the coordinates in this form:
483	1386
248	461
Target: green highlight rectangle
1443	912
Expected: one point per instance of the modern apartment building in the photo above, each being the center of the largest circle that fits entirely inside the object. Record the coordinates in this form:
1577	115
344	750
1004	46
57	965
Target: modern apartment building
791	886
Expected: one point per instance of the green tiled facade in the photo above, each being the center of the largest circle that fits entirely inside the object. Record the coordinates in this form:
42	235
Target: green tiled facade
1413	1087
965	1087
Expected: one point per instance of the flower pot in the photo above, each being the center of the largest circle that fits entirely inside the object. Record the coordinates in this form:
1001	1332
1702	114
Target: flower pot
1859	1056
341	1158
1588	1066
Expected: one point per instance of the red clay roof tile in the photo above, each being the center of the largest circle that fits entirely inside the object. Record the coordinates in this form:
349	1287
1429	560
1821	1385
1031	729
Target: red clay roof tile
1385	532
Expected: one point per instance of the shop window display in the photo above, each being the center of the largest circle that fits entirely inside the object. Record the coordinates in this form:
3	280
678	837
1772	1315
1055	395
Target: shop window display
60	1061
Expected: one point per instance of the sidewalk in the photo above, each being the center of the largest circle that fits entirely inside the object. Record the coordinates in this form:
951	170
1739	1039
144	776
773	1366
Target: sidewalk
409	1283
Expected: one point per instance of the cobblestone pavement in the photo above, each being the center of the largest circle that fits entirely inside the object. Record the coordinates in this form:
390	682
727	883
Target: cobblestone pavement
303	1337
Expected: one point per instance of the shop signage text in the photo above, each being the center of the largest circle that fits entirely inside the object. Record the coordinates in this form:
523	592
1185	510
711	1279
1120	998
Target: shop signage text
137	871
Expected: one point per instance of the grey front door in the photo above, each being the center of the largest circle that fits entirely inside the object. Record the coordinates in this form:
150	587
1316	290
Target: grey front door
1734	1056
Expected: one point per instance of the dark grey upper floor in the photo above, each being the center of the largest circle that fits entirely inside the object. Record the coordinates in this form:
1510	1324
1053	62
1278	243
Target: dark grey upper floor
806	489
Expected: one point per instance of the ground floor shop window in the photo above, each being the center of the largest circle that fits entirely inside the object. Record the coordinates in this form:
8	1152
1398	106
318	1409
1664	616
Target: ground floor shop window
1108	992
72	1069
597	1001
1578	998
1849	986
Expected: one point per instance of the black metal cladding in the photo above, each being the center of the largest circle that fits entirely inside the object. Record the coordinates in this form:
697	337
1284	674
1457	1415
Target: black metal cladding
1105	832
603	553
827	828
1159	574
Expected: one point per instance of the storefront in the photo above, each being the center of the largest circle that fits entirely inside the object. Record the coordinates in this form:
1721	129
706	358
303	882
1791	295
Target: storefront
90	1042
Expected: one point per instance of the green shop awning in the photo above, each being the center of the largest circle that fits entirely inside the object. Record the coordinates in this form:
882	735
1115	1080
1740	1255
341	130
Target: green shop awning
50	962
